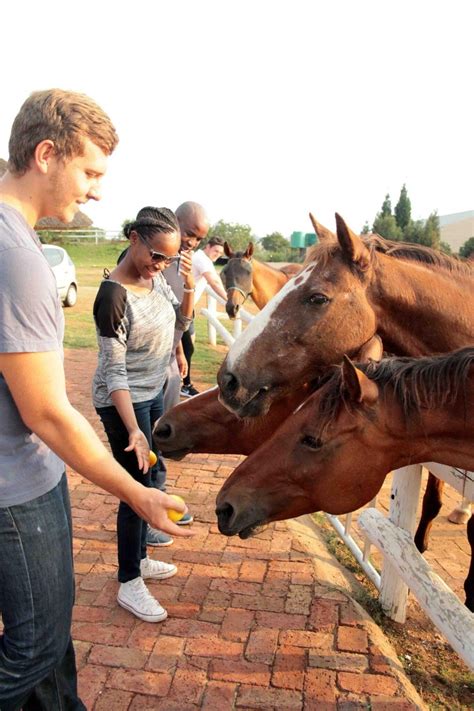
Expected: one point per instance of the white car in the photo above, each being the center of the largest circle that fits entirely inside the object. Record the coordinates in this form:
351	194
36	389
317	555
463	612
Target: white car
64	272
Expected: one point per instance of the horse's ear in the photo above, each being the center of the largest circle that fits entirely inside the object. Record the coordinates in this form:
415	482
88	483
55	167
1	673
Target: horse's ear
228	250
372	350
249	251
358	386
323	234
351	244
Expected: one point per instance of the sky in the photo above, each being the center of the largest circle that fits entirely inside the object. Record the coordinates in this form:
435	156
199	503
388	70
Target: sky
261	110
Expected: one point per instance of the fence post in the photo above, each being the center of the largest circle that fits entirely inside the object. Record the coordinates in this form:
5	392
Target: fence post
237	327
406	486
211	331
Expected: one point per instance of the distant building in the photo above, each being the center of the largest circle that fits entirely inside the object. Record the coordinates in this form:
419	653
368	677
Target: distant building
457	228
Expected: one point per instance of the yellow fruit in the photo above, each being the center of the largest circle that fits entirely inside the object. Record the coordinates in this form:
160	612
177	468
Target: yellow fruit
175	515
152	458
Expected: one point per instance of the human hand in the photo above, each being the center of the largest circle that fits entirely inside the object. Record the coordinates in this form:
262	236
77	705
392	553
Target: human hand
185	267
138	442
182	364
152	505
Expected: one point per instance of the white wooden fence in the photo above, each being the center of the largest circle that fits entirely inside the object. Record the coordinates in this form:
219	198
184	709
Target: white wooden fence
214	325
403	568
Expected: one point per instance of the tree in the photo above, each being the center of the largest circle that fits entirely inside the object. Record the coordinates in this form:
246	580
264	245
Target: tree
414	232
386	207
445	247
431	233
467	250
274	242
386	226
425	232
403	210
238	236
366	229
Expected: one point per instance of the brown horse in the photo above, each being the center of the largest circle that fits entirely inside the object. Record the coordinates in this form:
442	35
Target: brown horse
203	424
334	453
418	300
244	276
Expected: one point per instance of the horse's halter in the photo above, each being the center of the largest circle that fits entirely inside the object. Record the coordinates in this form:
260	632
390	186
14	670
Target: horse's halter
237	288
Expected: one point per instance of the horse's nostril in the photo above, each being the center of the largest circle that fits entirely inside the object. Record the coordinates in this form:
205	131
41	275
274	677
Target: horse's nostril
163	431
263	390
230	382
237	307
224	514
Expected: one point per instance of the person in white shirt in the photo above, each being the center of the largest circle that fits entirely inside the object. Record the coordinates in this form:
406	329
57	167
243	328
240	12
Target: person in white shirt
204	273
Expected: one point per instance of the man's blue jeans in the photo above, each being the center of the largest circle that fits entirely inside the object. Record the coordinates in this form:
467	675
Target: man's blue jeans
37	664
131	529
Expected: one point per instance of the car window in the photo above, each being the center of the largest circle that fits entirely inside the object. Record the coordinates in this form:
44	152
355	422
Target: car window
54	257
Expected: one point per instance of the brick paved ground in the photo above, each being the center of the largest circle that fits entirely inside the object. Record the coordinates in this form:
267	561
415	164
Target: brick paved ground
252	624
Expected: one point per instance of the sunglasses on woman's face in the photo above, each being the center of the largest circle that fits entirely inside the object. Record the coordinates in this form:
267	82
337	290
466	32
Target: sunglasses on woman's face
158	257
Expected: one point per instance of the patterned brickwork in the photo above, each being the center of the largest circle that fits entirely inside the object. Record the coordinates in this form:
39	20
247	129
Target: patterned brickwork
252	624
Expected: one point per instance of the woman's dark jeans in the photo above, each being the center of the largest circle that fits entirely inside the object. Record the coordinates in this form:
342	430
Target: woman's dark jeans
37	665
131	529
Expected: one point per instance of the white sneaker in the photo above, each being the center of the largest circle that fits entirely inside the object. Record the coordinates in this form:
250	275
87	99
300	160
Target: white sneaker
135	597
157	570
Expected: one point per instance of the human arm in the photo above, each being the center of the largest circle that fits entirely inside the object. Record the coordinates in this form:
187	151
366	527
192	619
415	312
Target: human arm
215	283
185	269
136	439
181	360
37	384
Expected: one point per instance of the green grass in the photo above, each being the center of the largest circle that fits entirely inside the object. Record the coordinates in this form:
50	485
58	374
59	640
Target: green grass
90	261
100	255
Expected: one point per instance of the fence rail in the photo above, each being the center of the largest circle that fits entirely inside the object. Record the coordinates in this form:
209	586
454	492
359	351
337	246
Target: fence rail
81	235
403	567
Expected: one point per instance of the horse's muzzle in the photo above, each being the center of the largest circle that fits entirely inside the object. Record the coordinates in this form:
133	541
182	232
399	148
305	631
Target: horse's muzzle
232	522
242	402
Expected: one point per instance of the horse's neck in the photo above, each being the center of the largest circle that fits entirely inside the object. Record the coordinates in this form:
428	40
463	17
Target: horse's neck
266	283
421	311
444	434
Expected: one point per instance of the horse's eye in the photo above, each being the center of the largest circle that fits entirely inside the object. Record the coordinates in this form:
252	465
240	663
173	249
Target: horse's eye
311	442
318	299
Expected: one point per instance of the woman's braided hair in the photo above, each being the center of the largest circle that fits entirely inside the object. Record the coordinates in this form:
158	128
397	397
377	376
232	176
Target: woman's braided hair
151	220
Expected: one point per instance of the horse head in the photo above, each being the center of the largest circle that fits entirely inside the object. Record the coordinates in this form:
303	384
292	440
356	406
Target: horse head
316	460
315	319
237	278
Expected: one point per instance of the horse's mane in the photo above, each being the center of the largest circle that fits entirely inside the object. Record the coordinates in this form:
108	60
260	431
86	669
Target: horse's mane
417	383
323	251
418	253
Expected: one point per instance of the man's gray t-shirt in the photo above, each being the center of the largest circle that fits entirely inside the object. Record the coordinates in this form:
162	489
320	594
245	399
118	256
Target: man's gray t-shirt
31	321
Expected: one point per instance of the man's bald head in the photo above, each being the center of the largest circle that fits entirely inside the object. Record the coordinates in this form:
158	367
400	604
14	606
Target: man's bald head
193	223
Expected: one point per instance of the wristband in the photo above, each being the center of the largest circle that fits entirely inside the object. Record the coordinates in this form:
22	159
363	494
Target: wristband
189	291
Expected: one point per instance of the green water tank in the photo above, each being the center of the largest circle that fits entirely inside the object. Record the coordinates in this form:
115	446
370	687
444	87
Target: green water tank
297	240
310	239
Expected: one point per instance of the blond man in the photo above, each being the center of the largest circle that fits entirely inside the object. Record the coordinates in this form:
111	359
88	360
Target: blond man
58	151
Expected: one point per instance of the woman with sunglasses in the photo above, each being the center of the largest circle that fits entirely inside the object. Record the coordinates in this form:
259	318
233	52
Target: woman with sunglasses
135	313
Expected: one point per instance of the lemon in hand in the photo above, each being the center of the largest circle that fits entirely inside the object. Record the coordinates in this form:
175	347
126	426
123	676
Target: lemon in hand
152	458
174	515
